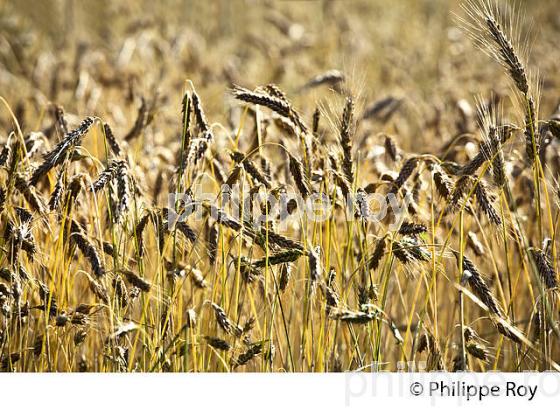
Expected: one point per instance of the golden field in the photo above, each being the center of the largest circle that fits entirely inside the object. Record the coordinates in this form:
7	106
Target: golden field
431	128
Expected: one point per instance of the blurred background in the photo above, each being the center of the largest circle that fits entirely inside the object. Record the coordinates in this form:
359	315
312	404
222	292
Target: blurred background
77	53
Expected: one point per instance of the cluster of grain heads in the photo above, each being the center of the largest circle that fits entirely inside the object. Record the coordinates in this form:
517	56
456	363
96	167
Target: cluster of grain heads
377	254
273	100
251	169
315	267
199	145
544	268
487	31
112	140
224	322
299	176
356	317
88	249
96	274
482	197
59	154
332	78
137	281
428	343
404	174
475	346
332	298
346	129
473	277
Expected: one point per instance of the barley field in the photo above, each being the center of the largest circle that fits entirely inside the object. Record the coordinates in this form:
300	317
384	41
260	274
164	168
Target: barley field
279	186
